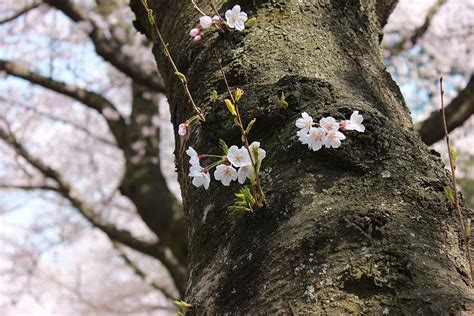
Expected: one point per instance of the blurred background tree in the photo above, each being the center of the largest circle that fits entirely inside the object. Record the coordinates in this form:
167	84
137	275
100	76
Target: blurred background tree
87	148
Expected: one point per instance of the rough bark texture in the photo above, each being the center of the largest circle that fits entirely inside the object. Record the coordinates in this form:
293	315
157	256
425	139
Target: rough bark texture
335	236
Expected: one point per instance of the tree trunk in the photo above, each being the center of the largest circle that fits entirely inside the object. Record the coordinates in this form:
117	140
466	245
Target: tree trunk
364	228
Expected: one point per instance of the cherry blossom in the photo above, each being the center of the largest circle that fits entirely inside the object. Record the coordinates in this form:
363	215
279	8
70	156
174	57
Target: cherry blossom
193	155
329	123
200	177
304	123
236	18
255	146
238	157
355	123
333	139
225	174
244	173
315	138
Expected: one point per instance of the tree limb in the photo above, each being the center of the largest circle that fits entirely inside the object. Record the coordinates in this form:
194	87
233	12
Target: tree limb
457	112
91	99
420	31
156	250
109	50
142	274
20	13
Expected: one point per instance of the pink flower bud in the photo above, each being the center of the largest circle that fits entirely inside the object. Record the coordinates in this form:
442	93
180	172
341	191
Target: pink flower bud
198	38
216	18
205	21
183	129
194	32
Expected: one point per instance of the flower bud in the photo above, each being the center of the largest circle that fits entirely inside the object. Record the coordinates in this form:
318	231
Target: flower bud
183	129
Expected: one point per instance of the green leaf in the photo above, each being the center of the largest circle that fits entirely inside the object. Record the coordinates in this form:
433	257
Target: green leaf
251	22
230	107
448	191
283	102
181	76
249	127
224	146
454	156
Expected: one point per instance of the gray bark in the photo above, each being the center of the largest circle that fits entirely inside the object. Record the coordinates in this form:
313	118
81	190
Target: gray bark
335	236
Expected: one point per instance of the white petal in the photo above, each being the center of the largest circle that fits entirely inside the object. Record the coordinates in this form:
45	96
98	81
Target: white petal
239	25
236	9
243	17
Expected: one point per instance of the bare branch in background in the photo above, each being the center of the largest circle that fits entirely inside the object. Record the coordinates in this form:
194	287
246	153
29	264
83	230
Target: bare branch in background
458	111
164	254
142	274
418	32
109	50
91	99
20	13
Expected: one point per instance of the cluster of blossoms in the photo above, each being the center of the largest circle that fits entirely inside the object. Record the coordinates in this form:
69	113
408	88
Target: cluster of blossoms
327	134
235	18
226	165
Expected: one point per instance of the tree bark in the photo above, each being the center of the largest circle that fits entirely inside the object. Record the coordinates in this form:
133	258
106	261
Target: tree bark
335	236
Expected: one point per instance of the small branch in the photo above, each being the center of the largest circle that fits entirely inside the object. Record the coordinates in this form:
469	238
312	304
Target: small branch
183	79
91	99
156	250
453	175
458	111
109	50
142	274
260	195
420	31
20	13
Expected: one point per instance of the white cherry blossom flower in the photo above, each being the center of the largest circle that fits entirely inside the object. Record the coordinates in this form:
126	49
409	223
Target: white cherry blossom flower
193	155
200	177
183	129
260	152
236	18
355	123
305	122
333	139
205	21
225	174
244	172
303	137
238	157
329	124
316	138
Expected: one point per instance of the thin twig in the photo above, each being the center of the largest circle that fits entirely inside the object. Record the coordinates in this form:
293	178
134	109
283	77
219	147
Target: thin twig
244	133
184	81
453	175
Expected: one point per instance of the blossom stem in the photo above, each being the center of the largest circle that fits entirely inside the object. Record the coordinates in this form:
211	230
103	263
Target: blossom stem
183	80
260	197
214	164
211	156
